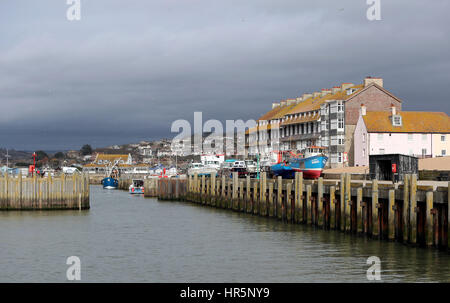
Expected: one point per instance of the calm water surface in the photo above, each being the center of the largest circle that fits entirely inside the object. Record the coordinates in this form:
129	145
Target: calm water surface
125	238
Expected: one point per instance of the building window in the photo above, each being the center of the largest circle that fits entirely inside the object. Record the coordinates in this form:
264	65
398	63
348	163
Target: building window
341	140
380	137
397	120
364	138
340	108
340	123
443	152
424	151
381	151
443	138
424	137
410	137
364	152
339	157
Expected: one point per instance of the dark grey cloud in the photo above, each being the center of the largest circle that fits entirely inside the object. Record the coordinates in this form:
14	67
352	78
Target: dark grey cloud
129	68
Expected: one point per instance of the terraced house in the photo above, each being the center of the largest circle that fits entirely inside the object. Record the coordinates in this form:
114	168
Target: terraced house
327	118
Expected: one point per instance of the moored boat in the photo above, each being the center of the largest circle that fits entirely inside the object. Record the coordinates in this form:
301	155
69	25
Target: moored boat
311	164
110	183
137	187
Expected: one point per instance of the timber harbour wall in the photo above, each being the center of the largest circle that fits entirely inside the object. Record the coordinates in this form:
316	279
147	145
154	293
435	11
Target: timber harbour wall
407	213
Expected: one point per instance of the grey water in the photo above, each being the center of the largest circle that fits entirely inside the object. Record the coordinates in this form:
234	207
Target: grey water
127	238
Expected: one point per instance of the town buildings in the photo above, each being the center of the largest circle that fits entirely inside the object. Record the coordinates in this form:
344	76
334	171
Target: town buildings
326	118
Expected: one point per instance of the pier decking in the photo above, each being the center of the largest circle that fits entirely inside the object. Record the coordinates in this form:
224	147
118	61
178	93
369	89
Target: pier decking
409	213
25	193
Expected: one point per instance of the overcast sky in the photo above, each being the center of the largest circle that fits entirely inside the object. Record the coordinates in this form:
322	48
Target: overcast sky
127	69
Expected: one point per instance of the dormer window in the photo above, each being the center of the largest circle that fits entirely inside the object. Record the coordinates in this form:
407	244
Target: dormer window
350	91
397	120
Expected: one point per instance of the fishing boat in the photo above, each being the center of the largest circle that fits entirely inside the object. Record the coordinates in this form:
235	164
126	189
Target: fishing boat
311	163
137	186
111	180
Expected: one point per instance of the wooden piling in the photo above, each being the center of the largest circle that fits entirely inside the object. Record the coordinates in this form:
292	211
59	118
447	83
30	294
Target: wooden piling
413	209
309	205
347	202
391	214
429	219
333	207
271	200
374	205
359	220
320	211
279	197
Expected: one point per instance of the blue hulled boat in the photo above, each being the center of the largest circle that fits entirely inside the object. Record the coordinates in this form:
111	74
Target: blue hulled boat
311	166
110	183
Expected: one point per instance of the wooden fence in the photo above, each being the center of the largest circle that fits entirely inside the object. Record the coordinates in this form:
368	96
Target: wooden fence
26	193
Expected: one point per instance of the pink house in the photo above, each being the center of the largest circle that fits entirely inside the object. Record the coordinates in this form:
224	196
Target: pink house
401	132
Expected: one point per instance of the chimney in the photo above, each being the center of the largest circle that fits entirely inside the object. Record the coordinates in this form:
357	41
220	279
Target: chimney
335	89
344	86
369	80
306	96
393	110
363	110
290	101
325	92
316	94
275	104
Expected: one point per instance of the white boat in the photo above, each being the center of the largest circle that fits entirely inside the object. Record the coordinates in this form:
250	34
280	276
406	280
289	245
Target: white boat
137	187
200	169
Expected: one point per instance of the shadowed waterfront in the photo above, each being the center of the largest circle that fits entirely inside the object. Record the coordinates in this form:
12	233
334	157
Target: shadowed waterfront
125	238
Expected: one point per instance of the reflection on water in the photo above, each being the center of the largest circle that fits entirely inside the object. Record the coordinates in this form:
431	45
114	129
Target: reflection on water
125	238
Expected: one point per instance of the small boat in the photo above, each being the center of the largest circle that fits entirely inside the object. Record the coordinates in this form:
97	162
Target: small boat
137	187
311	165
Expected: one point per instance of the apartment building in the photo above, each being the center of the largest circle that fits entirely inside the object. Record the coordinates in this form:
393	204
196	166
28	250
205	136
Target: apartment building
327	118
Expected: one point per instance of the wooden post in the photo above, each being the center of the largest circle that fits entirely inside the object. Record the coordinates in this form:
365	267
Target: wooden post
241	196
255	198
391	215
429	219
359	221
279	196
248	194
348	201
333	207
375	229
341	218
213	185
300	198
296	196
223	188
235	185
271	201
320	213
308	204
262	199
288	201
405	210
196	183
413	209
448	217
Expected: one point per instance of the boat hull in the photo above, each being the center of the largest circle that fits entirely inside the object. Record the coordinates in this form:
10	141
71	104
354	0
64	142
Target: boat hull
110	183
311	167
136	190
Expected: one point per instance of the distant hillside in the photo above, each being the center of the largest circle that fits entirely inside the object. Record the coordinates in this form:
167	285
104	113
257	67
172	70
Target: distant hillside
14	155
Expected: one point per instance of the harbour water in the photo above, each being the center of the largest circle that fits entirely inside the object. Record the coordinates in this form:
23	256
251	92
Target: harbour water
128	238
